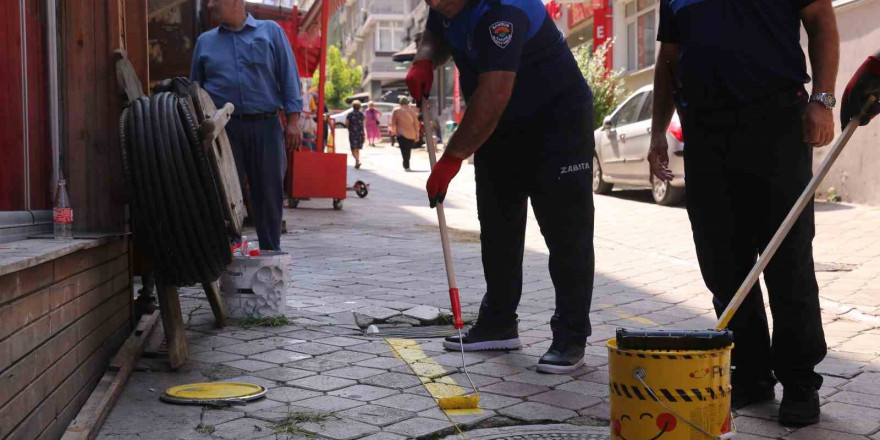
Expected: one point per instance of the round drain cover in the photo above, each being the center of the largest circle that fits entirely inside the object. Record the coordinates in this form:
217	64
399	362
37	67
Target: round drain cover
539	432
213	392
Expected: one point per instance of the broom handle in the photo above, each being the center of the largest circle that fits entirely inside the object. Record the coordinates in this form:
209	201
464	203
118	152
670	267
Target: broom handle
441	216
790	220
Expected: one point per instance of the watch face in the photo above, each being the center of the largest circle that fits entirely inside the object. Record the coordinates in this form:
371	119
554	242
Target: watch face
829	100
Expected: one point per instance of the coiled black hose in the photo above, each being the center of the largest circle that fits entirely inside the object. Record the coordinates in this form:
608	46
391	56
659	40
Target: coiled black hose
176	202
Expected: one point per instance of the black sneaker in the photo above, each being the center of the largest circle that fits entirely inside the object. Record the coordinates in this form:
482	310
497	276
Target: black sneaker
562	358
485	338
800	406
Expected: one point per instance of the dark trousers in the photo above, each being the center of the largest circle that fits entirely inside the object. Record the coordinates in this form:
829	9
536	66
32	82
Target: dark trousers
406	146
745	169
258	148
549	164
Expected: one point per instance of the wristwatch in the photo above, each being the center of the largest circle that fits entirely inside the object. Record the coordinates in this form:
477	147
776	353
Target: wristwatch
826	99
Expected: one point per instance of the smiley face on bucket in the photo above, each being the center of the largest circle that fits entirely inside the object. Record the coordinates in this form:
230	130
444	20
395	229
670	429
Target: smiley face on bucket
644	422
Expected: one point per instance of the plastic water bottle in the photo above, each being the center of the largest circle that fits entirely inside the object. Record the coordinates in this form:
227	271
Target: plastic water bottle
63	213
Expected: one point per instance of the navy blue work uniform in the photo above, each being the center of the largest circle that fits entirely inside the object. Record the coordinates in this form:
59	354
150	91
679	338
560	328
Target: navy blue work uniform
741	74
542	149
254	69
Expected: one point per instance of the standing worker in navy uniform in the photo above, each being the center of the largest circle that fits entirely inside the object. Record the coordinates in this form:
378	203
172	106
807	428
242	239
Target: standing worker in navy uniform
736	71
249	63
529	121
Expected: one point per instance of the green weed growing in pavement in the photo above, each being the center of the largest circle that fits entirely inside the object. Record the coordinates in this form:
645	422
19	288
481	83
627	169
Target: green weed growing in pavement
291	424
205	429
833	196
445	319
269	321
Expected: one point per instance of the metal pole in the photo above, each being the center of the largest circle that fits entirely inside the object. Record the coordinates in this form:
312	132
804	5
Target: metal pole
322	78
54	114
24	105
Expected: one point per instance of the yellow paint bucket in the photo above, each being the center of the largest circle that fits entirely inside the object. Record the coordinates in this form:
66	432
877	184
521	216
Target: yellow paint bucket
669	395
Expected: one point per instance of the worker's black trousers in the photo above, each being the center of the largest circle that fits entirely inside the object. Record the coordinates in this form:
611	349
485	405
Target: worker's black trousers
745	170
548	163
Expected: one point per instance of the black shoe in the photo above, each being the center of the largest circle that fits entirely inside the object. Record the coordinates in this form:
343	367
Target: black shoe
485	338
746	394
800	406
562	358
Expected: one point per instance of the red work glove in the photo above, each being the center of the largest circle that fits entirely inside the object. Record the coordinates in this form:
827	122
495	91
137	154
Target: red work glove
419	79
444	170
865	83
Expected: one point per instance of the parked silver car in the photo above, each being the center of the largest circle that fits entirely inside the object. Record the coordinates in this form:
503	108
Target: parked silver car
622	146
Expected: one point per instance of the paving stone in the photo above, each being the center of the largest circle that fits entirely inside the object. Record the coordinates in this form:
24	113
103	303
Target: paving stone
279	356
423	313
752	425
377	312
566	399
515	389
376	347
306	335
815	433
867	383
340	429
377	415
365	393
537	412
321	383
347	356
214	357
329	404
586	388
317	364
261	405
243	429
478	379
495	369
419	427
265	383
850	418
408	402
245	348
384	436
838	367
283	374
354	372
601	411
340	341
313	348
290	394
515	359
496	401
215	341
858	399
249	365
535	378
454	359
392	380
463	419
245	335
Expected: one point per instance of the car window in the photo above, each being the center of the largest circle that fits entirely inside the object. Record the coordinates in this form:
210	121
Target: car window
628	113
385	108
647	108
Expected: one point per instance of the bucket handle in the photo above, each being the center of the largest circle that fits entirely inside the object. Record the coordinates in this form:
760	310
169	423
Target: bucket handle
640	374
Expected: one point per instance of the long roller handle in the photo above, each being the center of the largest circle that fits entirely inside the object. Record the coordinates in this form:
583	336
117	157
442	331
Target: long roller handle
454	300
790	220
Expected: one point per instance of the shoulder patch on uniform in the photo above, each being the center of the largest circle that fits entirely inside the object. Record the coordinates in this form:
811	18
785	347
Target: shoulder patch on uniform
501	33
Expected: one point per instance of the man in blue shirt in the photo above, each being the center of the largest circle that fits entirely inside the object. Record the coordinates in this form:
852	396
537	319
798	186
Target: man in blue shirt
529	120
736	71
249	63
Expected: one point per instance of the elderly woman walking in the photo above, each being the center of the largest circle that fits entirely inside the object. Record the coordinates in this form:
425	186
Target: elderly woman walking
355	123
372	123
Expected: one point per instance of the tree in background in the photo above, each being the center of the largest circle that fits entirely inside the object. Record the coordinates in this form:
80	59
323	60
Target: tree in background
607	85
343	78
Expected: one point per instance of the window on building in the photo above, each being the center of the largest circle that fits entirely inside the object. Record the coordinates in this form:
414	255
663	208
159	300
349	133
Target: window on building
389	36
641	33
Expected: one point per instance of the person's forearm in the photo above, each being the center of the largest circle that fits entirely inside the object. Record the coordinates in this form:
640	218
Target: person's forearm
484	111
824	48
430	48
664	86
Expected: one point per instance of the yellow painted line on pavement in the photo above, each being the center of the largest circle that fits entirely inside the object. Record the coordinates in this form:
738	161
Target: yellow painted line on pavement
634	318
434	377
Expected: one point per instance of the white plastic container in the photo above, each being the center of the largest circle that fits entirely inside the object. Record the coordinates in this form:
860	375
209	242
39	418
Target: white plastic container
256	286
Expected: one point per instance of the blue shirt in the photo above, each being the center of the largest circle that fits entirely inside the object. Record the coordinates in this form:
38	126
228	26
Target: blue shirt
516	36
733	52
252	68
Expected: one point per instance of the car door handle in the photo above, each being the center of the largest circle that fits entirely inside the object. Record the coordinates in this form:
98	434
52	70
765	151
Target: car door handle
649	130
623	136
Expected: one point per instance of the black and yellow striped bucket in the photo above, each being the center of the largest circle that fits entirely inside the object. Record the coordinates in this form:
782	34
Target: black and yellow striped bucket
669	395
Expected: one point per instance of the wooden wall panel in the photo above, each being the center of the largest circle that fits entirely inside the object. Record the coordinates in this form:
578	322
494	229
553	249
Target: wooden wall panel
39	141
11	128
136	39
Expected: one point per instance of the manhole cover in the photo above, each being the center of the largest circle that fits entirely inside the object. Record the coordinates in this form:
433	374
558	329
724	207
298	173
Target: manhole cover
538	432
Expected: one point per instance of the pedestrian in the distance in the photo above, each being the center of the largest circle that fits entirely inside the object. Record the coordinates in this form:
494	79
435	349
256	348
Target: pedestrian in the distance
355	123
405	123
249	63
371	120
529	120
736	71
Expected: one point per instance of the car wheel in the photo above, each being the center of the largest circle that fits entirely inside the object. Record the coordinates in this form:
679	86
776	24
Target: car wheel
665	194
600	186
340	125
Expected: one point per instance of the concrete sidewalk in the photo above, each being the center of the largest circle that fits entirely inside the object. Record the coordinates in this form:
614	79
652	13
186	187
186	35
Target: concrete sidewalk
380	257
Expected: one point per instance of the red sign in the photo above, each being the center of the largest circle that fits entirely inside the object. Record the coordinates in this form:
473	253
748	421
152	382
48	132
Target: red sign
456	97
578	13
603	24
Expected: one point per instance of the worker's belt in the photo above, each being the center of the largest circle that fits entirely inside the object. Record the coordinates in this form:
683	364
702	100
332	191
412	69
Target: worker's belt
746	113
256	116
